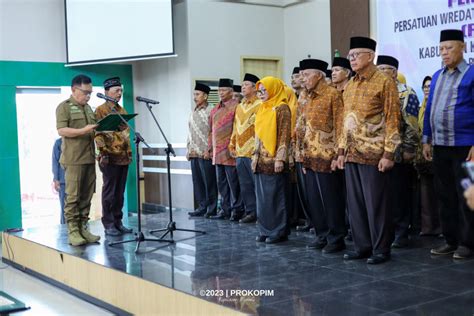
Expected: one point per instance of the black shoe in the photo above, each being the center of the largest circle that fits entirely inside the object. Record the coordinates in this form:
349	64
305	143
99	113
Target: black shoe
429	234
113	232
250	218
208	215
445	249
220	215
197	213
400	243
332	248
261	238
303	228
463	252
318	244
235	217
354	255
124	230
274	240
377	259
348	236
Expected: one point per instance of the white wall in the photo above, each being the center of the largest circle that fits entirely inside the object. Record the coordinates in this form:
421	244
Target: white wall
307	31
373	18
220	33
32	30
168	81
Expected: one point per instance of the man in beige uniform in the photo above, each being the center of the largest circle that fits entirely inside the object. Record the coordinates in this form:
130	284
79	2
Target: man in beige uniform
76	122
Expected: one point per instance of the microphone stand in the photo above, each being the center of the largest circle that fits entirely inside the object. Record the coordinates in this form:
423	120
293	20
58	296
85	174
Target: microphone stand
171	227
139	236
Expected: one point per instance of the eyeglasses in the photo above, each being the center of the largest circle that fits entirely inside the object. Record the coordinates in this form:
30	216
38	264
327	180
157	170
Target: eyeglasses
224	89
355	55
261	92
383	68
85	92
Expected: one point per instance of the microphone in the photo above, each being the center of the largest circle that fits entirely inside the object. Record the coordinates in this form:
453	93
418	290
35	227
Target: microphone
142	99
103	96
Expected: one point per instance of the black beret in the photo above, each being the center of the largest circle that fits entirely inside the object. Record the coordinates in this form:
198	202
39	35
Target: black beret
112	82
363	42
451	35
387	60
296	70
225	83
341	62
313	64
202	87
237	88
250	77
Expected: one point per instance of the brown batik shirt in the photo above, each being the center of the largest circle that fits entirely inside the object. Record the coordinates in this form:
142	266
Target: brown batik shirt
262	162
114	144
322	118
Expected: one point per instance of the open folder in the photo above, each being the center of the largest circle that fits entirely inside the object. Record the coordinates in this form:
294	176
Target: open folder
112	121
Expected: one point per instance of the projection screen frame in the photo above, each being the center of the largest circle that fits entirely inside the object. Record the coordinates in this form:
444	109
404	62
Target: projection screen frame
122	58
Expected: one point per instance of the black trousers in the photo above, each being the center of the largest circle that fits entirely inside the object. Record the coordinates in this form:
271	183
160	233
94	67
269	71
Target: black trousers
247	184
301	187
228	185
402	198
114	181
429	205
272	204
327	205
204	184
457	221
369	208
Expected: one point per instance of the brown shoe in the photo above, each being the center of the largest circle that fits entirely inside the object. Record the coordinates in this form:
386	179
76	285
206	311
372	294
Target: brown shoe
445	249
74	236
85	232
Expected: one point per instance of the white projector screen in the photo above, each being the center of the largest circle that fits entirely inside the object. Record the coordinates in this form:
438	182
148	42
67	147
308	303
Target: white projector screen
100	31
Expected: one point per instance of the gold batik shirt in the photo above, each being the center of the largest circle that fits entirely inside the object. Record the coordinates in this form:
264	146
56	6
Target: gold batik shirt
371	118
242	141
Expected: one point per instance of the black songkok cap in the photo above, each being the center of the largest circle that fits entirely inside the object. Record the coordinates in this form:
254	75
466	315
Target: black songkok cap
237	88
363	42
313	64
225	83
451	35
341	62
112	82
296	70
387	60
250	77
202	87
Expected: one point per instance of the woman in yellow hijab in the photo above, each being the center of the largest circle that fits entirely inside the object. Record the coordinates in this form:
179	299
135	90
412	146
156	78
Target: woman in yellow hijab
430	221
270	161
